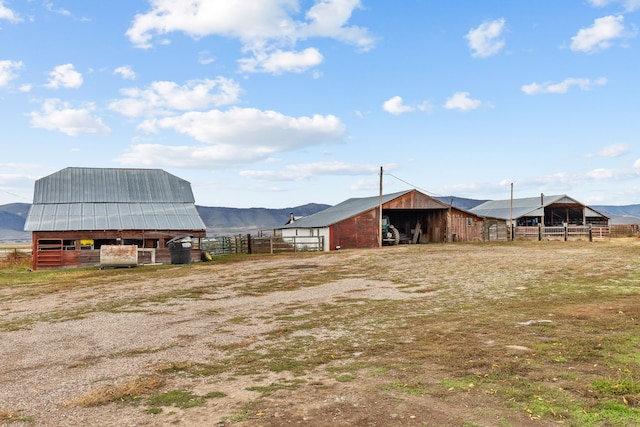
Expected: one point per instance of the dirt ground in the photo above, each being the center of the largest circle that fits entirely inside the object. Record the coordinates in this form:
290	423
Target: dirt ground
202	329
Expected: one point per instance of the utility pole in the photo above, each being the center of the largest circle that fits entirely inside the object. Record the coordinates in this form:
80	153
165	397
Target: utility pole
380	213
511	215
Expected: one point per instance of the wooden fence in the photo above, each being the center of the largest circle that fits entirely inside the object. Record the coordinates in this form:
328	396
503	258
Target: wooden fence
575	232
247	244
15	257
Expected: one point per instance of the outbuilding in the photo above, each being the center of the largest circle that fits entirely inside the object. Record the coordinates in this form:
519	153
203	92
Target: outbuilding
547	218
547	211
76	212
419	218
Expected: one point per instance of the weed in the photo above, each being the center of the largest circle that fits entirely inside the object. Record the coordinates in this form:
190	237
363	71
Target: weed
130	391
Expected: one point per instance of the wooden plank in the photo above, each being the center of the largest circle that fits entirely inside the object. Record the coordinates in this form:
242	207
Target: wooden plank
417	232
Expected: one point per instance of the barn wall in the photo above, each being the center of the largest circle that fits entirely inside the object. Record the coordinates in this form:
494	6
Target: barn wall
318	231
466	228
434	226
58	255
360	231
414	200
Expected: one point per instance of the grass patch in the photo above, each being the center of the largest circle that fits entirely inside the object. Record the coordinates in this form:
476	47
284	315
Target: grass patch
128	392
275	386
178	399
540	331
13	417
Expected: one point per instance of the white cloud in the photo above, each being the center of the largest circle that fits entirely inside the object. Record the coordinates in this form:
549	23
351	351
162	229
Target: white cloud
8	14
267	29
204	57
328	18
305	170
164	97
236	136
485	40
64	76
563	86
395	106
8	71
599	36
613	150
126	72
629	5
60	116
461	101
282	61
51	8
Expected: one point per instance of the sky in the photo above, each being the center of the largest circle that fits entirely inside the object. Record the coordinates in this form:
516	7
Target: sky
280	103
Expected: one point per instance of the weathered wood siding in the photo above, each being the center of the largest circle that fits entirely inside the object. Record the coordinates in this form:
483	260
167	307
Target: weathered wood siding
360	231
466	229
414	200
48	256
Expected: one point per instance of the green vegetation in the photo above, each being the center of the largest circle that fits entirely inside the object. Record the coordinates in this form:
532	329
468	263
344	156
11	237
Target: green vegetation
179	399
542	331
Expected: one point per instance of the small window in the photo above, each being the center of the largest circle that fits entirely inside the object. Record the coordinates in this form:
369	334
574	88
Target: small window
470	222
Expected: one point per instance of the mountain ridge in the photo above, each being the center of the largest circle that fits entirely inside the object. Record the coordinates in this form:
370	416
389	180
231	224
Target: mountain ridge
230	221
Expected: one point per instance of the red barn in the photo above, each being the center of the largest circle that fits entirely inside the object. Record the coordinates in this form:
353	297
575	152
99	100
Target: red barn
419	218
76	211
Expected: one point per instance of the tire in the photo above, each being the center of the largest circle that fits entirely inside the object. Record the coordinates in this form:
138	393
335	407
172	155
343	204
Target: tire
396	235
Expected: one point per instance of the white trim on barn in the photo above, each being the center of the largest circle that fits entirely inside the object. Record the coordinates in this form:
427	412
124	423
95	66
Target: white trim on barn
314	233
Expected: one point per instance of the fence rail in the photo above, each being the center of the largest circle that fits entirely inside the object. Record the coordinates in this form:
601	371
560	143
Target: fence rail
259	245
15	256
571	232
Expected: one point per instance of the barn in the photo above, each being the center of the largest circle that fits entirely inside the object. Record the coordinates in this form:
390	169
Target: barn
419	218
79	212
544	210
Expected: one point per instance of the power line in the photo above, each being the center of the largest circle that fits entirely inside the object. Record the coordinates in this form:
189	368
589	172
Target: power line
414	186
15	195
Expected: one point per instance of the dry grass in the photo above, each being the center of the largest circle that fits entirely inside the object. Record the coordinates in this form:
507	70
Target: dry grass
460	334
132	390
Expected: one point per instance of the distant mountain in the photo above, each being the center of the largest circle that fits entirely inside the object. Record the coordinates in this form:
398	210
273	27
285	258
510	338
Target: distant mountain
629	214
225	221
228	221
219	221
12	218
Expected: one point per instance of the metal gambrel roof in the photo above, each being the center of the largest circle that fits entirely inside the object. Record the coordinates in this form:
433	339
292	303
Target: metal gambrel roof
529	206
344	210
104	185
112	199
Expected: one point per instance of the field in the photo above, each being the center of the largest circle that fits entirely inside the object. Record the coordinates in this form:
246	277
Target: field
510	334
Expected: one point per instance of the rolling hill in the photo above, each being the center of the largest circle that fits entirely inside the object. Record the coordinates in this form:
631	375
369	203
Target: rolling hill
219	221
229	221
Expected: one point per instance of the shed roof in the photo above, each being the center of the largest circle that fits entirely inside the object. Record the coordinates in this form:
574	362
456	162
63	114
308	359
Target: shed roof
112	199
345	210
528	206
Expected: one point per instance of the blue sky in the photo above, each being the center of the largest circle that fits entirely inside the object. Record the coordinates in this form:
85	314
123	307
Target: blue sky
278	103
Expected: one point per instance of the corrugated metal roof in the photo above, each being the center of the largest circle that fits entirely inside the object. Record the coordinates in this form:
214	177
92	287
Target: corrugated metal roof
112	199
113	216
104	185
342	211
528	206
